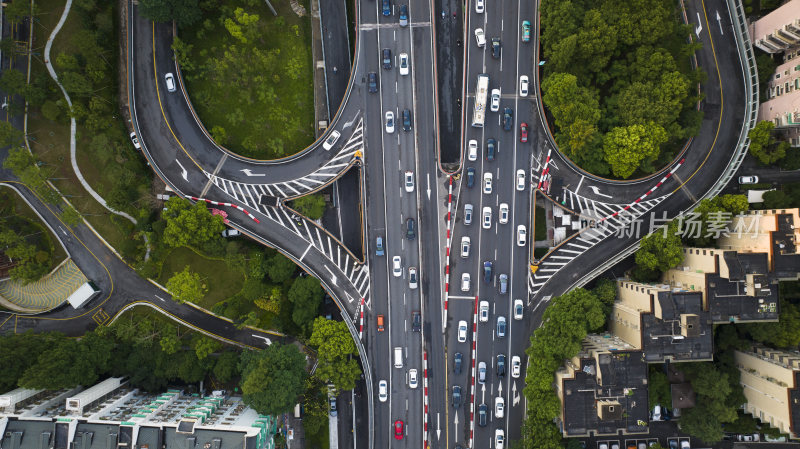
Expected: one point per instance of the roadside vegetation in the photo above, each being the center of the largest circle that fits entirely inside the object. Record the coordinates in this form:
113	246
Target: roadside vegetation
618	83
26	240
263	65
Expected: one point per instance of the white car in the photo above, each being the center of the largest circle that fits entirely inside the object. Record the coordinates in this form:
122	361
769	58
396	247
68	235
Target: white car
331	140
483	311
409	181
383	391
518	309
462	331
495	105
487	217
480	37
487	183
499	407
516	366
748	179
479	6
389	122
472	150
523	86
522	235
465	243
520	180
465	282
413	282
499	439
403	64
413	382
397	267
503	213
169	78
135	141
467	214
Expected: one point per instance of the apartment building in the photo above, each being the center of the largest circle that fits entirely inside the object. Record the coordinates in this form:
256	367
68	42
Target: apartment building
774	232
603	389
779	30
735	287
113	415
665	323
771	382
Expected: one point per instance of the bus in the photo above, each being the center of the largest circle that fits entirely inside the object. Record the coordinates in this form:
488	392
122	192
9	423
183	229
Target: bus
481	91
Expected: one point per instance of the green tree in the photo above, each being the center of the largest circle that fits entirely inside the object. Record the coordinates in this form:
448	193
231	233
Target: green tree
714	213
570	104
335	349
777	199
763	145
632	147
306	295
606	292
280	268
660	252
18	352
315	406
51	111
190	225
183	12
312	206
10	136
18	10
13	82
227	366
658	387
205	346
186	286
76	84
273	378
70	216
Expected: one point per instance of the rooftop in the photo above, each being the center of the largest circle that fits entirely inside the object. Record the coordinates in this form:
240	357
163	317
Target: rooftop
682	333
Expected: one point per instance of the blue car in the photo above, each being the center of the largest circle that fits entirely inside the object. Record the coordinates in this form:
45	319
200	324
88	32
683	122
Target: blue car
387	8
403	15
379	246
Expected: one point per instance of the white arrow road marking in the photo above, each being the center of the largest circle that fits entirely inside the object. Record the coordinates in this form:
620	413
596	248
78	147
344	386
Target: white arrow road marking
267	341
184	173
429	186
515	395
483	394
455	423
596	191
699	26
159	298
350	123
247	172
438	427
719	21
333	278
500	388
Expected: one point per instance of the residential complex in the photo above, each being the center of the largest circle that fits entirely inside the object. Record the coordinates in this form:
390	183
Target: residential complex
112	414
771	382
603	389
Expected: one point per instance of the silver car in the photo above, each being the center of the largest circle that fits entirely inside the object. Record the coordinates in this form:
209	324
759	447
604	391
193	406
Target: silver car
465	243
397	266
462	331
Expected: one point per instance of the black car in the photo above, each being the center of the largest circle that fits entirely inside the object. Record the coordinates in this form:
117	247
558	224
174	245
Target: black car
406	120
508	118
482	415
487	271
416	321
458	358
470	177
372	82
496	47
387	8
411	226
491	147
387	59
457	396
501	365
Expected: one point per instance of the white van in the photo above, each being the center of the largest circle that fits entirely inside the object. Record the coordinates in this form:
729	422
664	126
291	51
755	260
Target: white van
398	357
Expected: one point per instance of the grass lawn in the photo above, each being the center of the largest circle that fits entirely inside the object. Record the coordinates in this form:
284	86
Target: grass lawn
267	111
21	208
222	282
540	225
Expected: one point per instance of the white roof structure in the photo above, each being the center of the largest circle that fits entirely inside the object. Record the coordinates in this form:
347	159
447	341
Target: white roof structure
83	294
78	402
14	397
756	196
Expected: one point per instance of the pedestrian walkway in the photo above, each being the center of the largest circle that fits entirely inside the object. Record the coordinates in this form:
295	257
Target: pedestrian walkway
46	293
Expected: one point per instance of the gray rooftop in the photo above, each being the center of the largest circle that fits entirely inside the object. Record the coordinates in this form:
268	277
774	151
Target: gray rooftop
684	332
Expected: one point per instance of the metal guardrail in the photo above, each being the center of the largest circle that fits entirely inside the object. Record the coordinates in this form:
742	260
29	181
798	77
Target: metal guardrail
748	62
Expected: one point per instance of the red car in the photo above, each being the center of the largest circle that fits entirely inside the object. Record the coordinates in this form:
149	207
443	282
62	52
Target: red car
523	132
398	430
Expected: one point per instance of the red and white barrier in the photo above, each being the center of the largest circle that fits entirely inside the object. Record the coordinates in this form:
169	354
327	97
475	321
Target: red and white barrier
472	376
645	195
217	203
425	400
545	169
449	221
361	321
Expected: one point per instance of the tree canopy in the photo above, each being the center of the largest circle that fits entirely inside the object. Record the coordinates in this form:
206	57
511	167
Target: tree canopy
763	144
183	12
306	294
190	225
658	252
335	351
273	378
186	286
